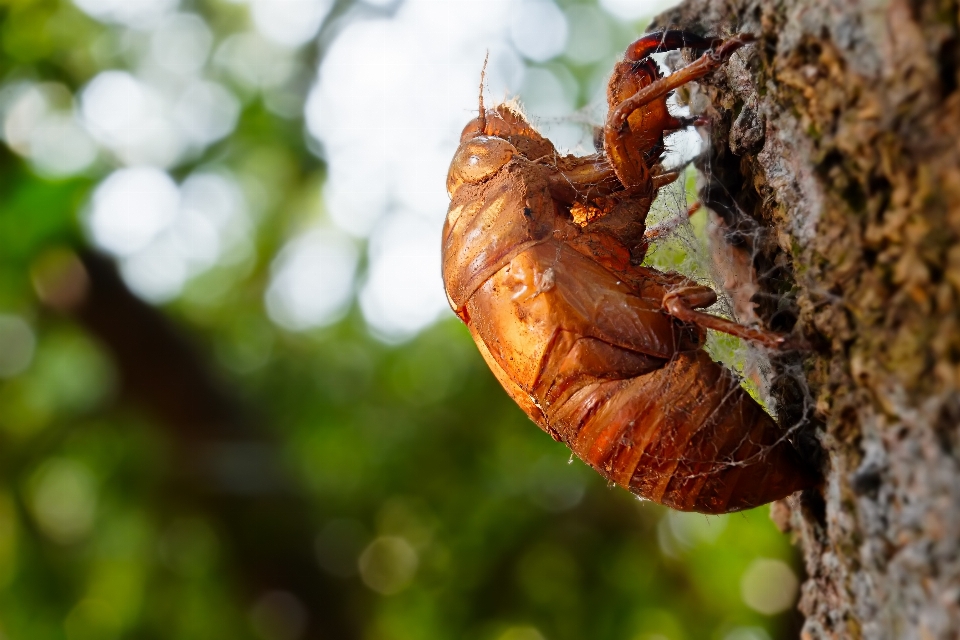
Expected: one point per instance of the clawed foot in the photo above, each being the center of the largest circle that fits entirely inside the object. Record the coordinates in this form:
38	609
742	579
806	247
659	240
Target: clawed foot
683	303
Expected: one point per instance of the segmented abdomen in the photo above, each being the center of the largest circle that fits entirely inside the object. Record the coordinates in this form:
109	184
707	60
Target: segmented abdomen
624	386
685	435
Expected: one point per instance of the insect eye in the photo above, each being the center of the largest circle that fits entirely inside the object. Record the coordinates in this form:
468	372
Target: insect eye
477	159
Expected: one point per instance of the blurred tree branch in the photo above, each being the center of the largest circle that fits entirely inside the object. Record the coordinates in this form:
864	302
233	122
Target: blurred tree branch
225	459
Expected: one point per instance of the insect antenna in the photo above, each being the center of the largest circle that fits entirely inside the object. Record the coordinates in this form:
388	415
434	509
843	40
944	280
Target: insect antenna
483	112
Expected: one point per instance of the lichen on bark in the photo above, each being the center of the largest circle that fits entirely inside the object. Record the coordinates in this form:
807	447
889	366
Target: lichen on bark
838	134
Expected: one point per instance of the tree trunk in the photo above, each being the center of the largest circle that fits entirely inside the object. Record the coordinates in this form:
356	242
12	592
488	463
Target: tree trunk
839	133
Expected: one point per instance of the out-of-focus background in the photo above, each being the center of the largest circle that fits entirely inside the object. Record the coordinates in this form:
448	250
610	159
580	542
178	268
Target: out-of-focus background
233	402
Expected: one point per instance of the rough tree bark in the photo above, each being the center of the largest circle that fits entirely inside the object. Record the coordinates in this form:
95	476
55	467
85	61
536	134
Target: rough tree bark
839	132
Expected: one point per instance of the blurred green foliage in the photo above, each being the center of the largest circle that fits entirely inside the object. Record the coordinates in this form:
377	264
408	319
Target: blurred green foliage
439	510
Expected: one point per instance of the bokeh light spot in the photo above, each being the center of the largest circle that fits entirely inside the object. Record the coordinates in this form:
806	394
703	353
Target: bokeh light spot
636	9
129	117
403	292
312	282
290	23
206	112
590	35
388	564
17	344
61	147
156	273
538	29
165	234
112	103
255	62
181	43
39	122
131	207
141	14
769	586
63	499
412	78
747	633
521	633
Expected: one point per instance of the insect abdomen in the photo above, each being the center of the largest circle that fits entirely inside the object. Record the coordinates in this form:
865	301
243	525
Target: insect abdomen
685	435
625	386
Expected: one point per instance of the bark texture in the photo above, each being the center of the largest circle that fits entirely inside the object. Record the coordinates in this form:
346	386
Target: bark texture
835	163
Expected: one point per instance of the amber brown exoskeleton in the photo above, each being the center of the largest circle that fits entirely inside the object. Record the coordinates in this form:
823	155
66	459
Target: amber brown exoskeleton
542	260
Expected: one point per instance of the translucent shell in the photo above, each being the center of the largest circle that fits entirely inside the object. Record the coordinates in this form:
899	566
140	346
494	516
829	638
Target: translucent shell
541	261
478	159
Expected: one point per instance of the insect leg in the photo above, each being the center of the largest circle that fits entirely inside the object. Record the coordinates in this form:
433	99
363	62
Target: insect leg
663	179
595	178
587	180
628	165
700	67
682	303
668	41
